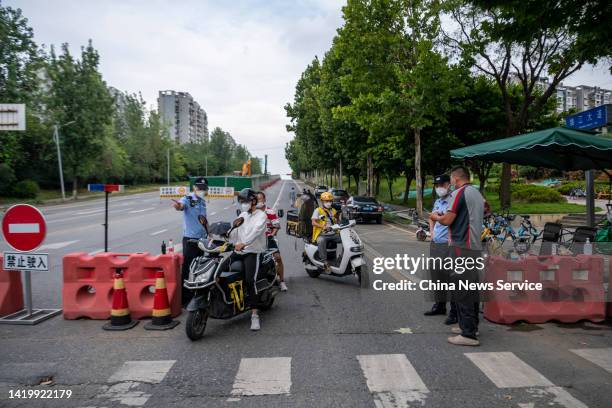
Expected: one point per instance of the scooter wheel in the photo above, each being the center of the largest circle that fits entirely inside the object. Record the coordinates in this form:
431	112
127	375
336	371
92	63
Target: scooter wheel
313	273
196	324
267	305
421	235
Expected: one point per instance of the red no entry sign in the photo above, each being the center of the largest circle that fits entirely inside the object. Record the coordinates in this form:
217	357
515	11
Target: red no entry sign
24	227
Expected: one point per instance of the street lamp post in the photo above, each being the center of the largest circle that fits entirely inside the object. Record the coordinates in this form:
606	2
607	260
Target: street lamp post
59	155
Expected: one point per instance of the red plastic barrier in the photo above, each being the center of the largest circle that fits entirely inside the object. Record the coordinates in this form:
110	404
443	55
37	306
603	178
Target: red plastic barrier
11	291
572	289
88	283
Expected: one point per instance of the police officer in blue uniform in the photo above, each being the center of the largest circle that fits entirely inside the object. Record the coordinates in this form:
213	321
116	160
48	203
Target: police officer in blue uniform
439	248
195	226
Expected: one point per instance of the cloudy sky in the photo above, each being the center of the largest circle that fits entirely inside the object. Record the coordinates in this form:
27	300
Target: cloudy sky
239	59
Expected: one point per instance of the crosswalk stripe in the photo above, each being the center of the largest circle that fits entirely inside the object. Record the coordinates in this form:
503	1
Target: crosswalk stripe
506	370
263	376
130	376
599	356
392	380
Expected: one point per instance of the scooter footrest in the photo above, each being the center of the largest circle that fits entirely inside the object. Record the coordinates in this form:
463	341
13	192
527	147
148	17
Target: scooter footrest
262	284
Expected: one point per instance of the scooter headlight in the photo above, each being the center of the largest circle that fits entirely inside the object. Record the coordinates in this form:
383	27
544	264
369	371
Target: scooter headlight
204	277
358	248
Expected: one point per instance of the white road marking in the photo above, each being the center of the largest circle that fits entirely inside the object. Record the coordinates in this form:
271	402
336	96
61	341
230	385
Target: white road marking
228	207
97	251
506	370
144	209
211	214
600	356
263	376
58	245
392	380
90	212
130	376
280	194
33	228
158	232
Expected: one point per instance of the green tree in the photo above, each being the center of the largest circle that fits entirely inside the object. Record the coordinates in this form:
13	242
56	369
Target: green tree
522	42
79	95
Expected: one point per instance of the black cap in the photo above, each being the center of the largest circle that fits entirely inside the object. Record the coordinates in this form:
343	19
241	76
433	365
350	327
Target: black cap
441	179
201	183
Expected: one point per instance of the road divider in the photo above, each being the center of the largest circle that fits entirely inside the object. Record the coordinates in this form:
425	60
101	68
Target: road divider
88	283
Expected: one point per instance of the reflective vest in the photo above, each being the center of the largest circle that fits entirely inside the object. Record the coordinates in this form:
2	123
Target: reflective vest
316	231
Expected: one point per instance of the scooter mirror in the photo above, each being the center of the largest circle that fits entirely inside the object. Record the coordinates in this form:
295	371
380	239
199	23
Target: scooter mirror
237	212
281	213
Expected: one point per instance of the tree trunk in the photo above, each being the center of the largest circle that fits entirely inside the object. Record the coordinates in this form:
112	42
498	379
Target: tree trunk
390	184
370	184
340	181
407	188
417	172
377	188
504	186
356	175
74	187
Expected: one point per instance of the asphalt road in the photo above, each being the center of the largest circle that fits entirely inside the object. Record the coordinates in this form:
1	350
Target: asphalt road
325	343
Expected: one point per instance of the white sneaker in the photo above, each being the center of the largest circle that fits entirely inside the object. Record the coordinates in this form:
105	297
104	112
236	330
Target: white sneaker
283	287
457	330
255	323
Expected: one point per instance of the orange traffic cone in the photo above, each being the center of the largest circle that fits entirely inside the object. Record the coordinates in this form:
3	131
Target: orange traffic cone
120	313
162	319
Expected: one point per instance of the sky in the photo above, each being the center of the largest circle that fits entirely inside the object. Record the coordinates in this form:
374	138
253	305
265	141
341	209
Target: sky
239	59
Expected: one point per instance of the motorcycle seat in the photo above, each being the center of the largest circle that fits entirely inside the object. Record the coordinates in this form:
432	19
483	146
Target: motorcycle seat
237	266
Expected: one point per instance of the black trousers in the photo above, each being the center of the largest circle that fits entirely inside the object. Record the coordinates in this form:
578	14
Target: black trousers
190	252
251	269
466	301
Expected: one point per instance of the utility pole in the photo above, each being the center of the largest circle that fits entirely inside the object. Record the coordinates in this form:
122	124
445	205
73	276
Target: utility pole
206	165
266	164
59	160
168	158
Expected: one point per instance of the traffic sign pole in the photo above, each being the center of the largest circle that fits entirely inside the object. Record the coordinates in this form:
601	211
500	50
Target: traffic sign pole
106	222
24	228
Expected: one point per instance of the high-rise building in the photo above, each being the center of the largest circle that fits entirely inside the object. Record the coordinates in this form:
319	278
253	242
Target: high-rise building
186	120
582	97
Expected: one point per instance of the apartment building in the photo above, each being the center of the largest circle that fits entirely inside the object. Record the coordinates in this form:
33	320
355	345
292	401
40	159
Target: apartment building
186	120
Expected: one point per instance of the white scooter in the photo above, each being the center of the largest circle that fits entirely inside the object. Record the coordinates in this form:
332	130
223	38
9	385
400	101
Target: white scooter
345	259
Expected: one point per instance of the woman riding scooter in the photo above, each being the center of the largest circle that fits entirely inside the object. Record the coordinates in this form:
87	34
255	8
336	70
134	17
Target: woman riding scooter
323	218
250	241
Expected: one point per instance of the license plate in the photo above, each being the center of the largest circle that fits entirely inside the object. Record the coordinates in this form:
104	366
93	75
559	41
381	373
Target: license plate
367	208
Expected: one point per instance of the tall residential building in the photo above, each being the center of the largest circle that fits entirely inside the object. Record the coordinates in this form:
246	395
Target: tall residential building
186	120
582	97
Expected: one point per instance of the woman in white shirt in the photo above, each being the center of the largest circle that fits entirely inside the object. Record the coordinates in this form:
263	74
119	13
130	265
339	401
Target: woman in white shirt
250	241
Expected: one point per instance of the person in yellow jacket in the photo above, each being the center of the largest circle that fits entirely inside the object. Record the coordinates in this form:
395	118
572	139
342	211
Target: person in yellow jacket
323	218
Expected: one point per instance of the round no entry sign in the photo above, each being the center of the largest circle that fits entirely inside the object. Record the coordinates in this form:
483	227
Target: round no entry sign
24	227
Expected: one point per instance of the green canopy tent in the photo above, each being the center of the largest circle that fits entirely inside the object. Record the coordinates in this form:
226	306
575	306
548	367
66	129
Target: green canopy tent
556	148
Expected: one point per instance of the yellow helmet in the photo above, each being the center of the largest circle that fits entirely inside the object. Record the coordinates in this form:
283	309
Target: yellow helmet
327	196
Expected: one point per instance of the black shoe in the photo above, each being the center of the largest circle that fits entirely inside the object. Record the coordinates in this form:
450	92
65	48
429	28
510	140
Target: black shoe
436	310
450	321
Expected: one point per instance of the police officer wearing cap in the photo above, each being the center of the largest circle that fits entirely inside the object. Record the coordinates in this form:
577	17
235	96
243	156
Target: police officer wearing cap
195	226
439	248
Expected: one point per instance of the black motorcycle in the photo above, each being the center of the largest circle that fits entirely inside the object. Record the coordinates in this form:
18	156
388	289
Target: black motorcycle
218	282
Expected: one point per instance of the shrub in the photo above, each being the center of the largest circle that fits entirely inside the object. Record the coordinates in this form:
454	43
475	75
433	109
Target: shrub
567	186
7	178
530	193
26	189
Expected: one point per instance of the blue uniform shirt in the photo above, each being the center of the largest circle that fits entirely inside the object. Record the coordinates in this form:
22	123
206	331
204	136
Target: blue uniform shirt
191	226
440	232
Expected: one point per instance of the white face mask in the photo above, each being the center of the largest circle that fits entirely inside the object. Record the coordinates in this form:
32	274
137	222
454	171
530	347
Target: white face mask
261	204
245	207
200	194
441	191
327	204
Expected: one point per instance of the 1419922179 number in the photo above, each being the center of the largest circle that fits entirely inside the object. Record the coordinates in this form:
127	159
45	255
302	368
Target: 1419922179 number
26	394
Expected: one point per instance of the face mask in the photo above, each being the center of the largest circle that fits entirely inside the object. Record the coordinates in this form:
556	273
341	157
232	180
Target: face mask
261	204
441	191
327	205
200	194
245	207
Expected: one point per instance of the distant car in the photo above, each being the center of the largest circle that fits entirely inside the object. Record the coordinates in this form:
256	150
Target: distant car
361	208
320	190
340	198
